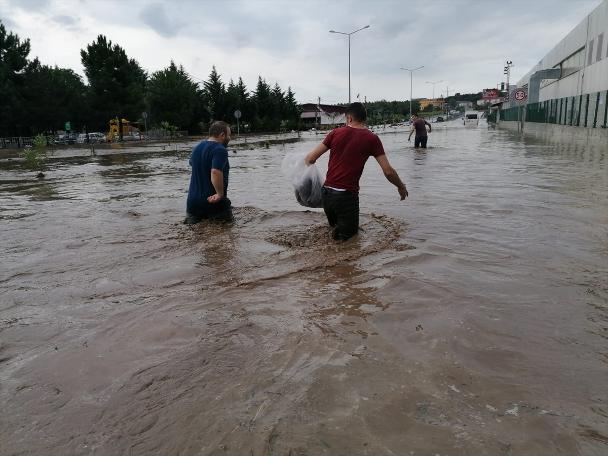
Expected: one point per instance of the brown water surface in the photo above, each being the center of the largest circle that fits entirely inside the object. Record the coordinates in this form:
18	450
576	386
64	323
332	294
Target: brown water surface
471	319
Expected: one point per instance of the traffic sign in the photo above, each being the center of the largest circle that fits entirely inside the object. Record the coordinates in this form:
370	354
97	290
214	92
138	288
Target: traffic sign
237	114
521	94
68	126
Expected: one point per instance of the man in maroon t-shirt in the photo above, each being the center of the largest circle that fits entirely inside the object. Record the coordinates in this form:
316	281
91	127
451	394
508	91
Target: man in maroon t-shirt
350	147
419	126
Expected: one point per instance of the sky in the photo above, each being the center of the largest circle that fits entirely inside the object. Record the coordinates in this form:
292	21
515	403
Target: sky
463	43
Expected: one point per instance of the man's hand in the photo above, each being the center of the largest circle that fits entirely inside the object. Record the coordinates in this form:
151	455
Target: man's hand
403	192
213	199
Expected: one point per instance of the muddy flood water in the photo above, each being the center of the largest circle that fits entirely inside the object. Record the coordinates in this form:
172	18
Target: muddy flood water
470	319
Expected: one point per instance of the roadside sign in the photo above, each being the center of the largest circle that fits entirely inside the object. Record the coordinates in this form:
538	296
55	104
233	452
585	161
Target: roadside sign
521	95
68	126
237	114
144	115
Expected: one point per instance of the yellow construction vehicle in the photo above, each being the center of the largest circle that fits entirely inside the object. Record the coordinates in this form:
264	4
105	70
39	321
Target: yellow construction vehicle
128	130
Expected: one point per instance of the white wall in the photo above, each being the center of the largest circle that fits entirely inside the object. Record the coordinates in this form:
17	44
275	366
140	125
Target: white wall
328	119
590	79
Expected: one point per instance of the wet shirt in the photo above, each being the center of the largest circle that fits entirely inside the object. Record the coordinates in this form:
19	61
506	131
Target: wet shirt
205	156
349	150
420	126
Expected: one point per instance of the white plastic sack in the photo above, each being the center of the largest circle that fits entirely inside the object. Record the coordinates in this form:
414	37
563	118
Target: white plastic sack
307	180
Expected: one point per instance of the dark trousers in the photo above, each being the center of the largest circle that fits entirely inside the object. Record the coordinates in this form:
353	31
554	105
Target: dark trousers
420	141
342	211
220	211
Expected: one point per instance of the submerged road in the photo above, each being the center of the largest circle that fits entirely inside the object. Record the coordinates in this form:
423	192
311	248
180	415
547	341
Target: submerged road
471	318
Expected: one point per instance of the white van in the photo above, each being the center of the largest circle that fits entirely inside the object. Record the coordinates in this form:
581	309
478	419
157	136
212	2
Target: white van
471	118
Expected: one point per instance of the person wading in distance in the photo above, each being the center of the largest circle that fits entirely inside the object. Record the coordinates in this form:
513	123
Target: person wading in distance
419	126
350	147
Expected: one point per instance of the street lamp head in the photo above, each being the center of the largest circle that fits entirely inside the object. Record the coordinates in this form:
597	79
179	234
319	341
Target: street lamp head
332	31
412	70
367	26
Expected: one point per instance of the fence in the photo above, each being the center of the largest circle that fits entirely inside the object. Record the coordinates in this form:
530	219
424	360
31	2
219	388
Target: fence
17	142
589	111
20	142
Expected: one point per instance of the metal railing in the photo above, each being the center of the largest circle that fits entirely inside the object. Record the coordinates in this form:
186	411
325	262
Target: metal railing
588	110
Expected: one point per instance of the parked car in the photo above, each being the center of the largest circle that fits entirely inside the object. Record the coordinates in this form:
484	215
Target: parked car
97	137
65	139
93	138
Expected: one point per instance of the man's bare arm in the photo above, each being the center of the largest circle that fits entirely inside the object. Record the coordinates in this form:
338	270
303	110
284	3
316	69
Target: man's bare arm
392	176
411	131
217	179
314	154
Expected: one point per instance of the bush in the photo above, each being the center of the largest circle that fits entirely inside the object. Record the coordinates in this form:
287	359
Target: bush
34	157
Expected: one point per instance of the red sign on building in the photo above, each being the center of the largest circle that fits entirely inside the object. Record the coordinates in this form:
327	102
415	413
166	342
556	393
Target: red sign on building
491	94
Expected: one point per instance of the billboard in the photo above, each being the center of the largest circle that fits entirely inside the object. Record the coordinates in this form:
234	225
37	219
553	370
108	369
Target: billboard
491	94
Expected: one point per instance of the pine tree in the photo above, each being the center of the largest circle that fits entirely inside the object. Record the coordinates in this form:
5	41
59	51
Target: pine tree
214	96
173	97
13	62
291	111
263	105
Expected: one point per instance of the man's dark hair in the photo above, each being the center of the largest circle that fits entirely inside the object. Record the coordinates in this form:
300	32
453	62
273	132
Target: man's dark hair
357	111
217	128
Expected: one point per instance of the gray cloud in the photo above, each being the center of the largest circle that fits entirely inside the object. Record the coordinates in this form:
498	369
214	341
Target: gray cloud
156	17
63	19
37	6
463	42
68	22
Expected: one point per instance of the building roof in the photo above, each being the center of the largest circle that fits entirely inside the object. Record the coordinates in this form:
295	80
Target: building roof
330	109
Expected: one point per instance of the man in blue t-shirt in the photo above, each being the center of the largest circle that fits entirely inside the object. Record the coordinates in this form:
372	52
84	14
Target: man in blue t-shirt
208	193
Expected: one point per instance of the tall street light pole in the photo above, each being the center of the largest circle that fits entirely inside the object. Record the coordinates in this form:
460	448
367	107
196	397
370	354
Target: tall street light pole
412	83
349	34
433	84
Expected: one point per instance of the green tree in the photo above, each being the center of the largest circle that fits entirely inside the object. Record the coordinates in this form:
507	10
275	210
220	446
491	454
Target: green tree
13	62
51	97
277	107
262	102
291	112
117	83
173	97
214	96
